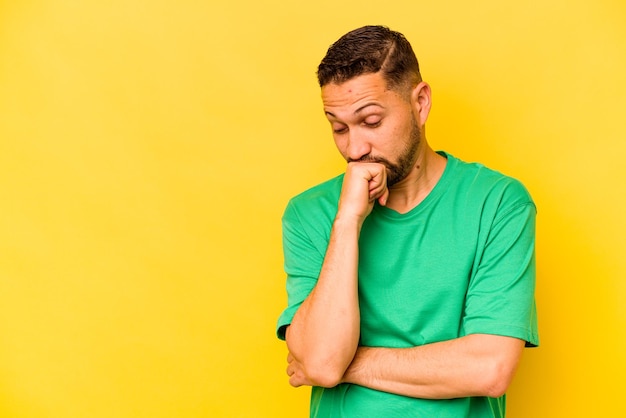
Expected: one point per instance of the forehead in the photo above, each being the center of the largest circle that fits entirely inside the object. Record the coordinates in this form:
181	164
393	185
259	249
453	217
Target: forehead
356	92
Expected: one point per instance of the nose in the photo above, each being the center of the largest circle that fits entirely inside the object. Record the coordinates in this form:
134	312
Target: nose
357	147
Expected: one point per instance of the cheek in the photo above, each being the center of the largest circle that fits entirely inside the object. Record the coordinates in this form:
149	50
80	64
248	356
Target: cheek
401	134
387	137
403	127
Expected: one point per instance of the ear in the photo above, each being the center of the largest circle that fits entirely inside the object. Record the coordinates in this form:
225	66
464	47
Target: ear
421	102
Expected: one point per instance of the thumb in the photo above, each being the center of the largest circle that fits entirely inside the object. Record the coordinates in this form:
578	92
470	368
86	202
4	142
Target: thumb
383	199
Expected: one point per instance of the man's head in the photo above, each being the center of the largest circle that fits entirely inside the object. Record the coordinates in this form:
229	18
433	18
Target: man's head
375	100
371	49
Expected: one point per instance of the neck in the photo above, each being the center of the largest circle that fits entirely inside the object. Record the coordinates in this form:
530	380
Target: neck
412	190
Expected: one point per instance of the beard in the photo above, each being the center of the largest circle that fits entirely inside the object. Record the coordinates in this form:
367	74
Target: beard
399	170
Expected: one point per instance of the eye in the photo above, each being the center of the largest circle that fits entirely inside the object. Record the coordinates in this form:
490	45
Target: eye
372	121
339	129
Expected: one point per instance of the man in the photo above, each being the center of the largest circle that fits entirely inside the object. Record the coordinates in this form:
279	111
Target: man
411	276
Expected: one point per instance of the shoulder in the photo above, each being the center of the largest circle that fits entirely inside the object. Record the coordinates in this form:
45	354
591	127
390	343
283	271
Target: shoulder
308	217
320	199
485	184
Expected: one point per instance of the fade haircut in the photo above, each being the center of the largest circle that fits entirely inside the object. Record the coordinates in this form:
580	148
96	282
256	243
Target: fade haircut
371	49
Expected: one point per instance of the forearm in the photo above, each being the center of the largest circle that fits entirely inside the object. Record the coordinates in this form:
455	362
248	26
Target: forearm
476	365
324	333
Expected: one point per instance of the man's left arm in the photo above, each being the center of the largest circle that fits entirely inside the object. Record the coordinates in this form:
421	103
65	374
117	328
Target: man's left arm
474	365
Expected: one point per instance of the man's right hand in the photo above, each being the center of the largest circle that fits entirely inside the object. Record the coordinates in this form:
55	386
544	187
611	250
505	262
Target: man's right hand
363	184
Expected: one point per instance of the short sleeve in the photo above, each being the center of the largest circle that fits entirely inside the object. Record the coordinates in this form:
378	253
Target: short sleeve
303	258
501	295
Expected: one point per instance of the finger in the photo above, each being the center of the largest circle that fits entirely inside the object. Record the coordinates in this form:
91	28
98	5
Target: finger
378	192
379	178
378	175
383	199
294	382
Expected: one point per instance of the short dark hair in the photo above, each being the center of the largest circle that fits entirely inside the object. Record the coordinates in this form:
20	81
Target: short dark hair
370	49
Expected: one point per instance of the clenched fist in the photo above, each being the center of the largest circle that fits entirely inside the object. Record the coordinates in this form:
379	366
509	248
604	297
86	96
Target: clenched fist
363	184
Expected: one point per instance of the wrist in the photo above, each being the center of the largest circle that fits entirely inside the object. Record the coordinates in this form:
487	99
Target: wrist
351	375
346	221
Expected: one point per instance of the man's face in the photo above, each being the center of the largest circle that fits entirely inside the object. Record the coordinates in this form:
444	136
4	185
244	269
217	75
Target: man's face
371	123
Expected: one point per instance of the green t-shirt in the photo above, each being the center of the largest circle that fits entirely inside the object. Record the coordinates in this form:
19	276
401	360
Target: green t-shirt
461	262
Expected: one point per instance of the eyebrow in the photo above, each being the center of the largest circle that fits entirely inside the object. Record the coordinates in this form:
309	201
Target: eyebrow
356	112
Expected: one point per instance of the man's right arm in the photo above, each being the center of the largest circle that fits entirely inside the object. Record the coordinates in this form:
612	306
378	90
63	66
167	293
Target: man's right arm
324	333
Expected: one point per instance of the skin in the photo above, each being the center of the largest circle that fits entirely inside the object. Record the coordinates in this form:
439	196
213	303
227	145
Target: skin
372	123
381	134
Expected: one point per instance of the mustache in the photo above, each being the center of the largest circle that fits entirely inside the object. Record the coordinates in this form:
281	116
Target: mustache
393	171
372	159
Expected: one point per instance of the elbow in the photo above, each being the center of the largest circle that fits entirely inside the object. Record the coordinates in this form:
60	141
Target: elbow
322	368
496	389
495	379
322	372
498	365
326	377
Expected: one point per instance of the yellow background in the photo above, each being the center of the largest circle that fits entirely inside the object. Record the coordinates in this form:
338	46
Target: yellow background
148	148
